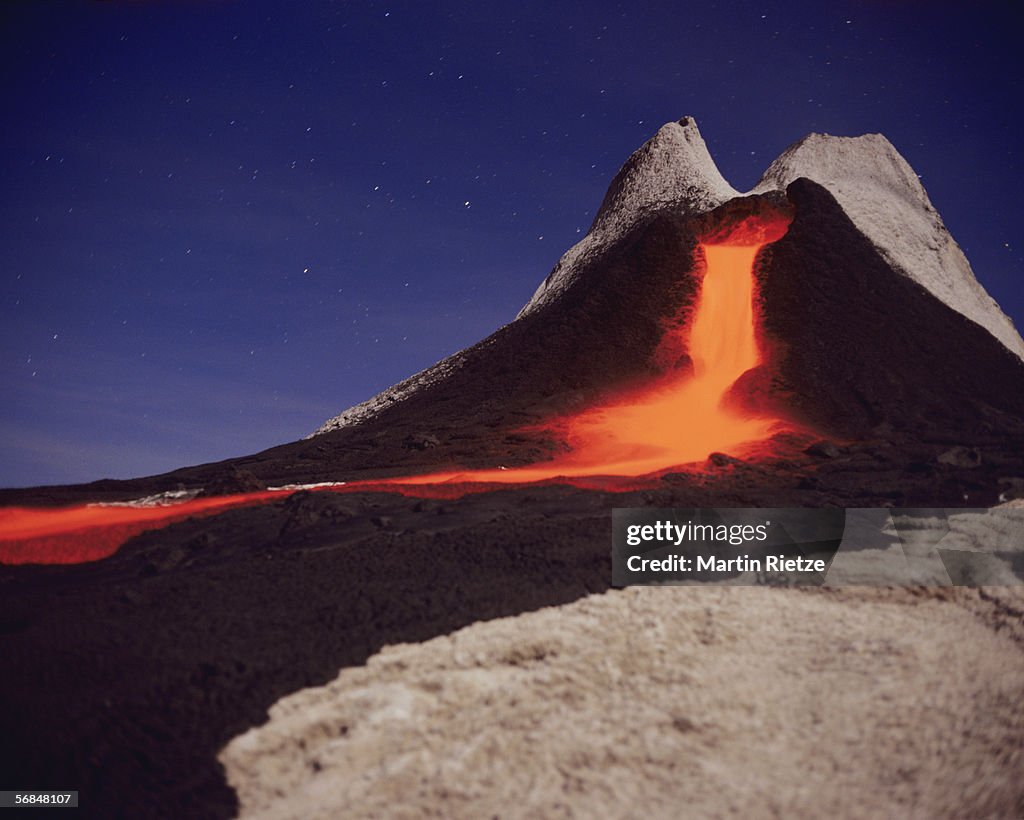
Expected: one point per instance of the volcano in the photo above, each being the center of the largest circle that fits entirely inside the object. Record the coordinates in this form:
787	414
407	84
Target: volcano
865	265
856	317
860	316
818	341
856	303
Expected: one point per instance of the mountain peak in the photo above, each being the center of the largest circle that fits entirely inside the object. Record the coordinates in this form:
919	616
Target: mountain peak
672	169
873	183
884	197
824	157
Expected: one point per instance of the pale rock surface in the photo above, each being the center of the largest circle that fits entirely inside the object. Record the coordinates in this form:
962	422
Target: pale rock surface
667	702
395	393
873	549
885	199
671	171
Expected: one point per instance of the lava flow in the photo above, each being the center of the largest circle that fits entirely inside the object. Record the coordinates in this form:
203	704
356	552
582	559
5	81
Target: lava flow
683	419
613	447
89	532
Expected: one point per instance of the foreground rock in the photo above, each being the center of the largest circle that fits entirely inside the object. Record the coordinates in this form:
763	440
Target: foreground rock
728	702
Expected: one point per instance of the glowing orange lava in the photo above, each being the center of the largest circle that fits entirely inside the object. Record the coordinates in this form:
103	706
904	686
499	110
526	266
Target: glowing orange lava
89	532
616	447
682	420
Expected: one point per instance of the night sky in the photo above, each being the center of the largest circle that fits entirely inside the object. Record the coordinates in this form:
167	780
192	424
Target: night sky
225	222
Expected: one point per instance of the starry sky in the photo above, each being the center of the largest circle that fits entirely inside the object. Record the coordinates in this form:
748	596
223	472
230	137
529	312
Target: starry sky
227	221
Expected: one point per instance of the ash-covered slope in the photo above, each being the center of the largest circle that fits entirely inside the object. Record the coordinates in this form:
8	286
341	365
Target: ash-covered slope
885	199
856	350
526	711
671	174
671	181
853	349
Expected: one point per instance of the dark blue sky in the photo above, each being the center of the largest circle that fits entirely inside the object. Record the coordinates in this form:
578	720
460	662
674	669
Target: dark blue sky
227	221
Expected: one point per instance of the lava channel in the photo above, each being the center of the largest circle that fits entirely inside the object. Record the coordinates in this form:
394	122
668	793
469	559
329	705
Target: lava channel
89	532
616	447
681	420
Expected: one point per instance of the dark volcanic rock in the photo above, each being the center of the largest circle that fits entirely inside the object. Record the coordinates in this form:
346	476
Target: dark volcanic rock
1011	488
421	442
851	345
823	449
960	457
233	480
126	677
723	460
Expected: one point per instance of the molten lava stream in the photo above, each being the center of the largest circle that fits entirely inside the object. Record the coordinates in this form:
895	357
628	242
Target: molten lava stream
674	423
615	447
89	532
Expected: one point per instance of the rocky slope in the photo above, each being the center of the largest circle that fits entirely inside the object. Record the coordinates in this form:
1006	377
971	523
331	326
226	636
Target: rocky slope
884	198
673	176
672	173
728	702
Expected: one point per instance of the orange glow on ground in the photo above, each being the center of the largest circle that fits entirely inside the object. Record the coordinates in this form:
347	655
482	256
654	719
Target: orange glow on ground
89	532
620	446
682	420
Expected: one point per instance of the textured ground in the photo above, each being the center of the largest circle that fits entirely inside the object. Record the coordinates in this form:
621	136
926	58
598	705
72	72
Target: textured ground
658	702
127	677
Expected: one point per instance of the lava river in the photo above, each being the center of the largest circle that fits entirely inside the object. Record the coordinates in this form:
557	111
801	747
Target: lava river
619	445
683	419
